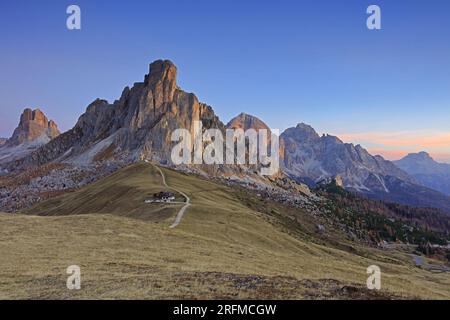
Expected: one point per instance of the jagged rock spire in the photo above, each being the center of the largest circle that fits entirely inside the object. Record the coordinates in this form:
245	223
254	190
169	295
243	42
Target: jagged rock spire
33	124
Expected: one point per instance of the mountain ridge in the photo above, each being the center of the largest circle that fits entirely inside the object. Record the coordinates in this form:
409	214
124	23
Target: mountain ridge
135	126
139	125
311	158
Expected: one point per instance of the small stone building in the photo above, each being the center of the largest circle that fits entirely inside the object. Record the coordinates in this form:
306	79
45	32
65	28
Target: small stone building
164	196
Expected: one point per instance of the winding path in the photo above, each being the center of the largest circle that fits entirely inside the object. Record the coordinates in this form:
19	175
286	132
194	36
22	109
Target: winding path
186	204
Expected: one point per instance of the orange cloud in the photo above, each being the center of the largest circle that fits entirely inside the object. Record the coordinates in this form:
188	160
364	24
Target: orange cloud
398	139
389	154
395	145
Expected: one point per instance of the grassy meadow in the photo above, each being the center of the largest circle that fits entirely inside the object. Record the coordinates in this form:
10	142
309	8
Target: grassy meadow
230	244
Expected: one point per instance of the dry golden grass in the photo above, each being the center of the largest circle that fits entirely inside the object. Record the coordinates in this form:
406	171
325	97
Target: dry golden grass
221	249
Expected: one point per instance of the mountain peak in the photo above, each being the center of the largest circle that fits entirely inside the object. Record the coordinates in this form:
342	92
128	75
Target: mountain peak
246	121
33	125
306	130
427	171
423	156
305	126
32	115
94	105
161	70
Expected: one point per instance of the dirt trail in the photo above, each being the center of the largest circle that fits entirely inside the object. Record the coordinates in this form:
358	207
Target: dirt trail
187	203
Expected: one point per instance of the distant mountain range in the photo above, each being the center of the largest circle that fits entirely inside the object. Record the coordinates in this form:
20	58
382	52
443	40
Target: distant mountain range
311	158
427	171
140	123
308	155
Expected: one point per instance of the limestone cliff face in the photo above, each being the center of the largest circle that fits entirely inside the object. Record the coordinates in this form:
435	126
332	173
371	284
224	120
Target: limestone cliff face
137	125
33	125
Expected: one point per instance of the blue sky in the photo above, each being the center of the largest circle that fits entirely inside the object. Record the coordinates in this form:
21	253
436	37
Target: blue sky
284	61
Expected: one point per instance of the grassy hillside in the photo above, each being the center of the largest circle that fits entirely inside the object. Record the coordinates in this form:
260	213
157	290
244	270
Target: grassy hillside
228	245
123	193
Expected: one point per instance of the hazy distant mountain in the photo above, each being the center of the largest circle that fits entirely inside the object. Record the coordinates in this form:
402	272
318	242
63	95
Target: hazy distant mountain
33	131
427	171
311	158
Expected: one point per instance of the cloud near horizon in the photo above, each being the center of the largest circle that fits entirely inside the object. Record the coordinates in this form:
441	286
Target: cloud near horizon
395	145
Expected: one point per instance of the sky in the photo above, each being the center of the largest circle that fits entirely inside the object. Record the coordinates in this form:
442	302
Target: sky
284	61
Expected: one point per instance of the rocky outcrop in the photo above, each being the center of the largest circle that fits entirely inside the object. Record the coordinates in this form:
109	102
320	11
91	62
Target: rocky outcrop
2	141
34	130
33	125
427	171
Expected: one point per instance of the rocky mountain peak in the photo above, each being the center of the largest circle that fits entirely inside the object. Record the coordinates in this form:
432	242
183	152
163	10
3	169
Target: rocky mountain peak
302	132
422	163
246	121
52	125
33	115
427	171
420	156
93	106
307	129
162	69
33	125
